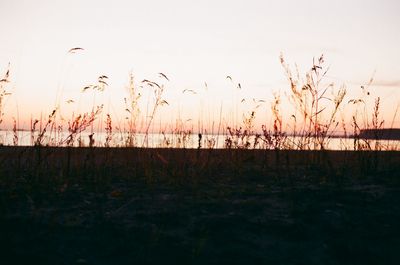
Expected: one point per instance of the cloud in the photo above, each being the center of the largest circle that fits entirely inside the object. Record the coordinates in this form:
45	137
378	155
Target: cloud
386	83
377	83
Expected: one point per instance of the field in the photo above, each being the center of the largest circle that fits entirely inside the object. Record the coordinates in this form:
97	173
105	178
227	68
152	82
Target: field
61	205
88	187
199	132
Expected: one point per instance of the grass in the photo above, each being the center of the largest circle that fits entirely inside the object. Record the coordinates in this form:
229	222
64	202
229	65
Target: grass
266	197
4	93
132	107
316	116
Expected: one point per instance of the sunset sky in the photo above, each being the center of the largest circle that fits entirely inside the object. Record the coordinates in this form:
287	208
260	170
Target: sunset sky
193	43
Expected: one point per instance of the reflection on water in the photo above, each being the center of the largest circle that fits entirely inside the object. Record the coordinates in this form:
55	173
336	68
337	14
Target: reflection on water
197	141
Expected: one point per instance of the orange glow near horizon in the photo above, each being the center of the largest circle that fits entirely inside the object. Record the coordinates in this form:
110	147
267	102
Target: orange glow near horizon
196	45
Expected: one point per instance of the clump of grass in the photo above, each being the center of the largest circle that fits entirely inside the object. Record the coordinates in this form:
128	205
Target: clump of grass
99	86
15	132
183	136
376	123
210	141
79	124
158	91
40	138
132	107
4	92
316	103
278	135
166	141
275	139
109	131
234	138
178	137
310	98
361	121
244	136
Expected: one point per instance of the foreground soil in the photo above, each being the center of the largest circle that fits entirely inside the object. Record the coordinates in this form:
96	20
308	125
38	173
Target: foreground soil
164	206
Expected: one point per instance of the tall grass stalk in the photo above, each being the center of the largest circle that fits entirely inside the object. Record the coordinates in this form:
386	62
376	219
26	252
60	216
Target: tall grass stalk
4	92
132	108
158	91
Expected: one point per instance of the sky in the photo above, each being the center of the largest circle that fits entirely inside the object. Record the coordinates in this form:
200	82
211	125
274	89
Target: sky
193	43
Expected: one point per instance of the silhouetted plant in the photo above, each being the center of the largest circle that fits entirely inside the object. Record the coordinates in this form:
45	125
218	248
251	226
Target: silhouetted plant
79	124
310	98
132	107
108	130
4	92
158	101
39	141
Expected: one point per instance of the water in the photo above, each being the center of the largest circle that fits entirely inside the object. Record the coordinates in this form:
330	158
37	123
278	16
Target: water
158	140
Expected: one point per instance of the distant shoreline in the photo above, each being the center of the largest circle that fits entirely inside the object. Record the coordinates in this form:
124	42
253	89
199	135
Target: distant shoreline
380	134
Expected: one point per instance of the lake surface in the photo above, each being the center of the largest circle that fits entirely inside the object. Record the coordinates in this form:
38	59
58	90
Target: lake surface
157	140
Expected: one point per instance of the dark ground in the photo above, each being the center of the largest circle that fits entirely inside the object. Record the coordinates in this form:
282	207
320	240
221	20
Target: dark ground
163	206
